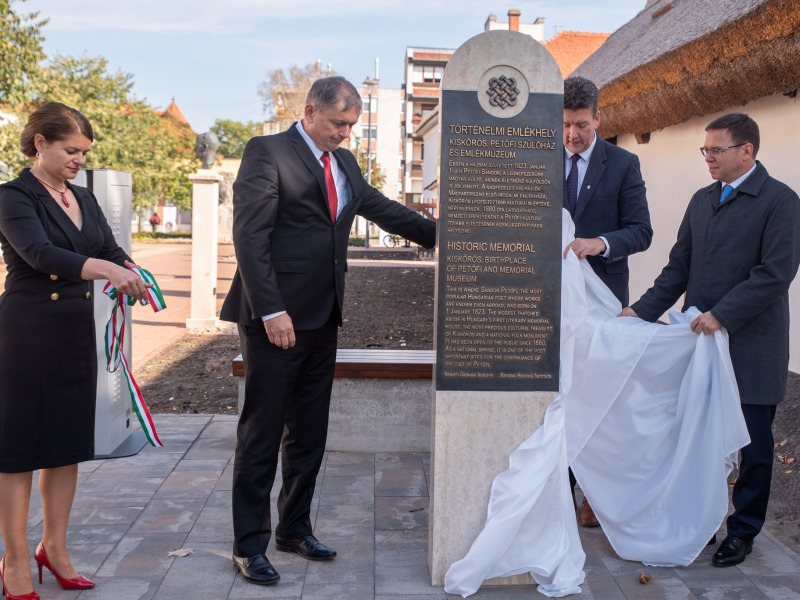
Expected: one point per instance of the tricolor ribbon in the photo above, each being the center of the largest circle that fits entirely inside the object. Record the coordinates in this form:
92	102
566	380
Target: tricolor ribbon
115	337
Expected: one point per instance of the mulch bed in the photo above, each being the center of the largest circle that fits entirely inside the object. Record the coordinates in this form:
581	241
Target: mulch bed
385	307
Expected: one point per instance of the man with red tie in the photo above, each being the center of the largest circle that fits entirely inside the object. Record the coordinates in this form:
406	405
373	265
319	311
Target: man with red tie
294	202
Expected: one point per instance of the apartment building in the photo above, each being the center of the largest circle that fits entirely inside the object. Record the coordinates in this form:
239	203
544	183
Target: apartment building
423	74
379	132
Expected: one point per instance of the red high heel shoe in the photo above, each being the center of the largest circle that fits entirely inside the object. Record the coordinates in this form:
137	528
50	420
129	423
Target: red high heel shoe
29	596
78	583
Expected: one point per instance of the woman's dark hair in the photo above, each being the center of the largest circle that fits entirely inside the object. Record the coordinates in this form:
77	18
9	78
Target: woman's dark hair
54	121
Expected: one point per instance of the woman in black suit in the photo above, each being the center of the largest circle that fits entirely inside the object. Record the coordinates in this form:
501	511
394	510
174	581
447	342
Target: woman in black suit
55	240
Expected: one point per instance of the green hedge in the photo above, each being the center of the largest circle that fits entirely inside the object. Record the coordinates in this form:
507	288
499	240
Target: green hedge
157	235
356	242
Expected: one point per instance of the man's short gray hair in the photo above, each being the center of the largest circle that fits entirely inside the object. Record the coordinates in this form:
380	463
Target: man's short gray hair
328	92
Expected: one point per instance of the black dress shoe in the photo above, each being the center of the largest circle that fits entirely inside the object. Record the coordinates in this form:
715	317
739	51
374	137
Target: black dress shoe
732	551
256	569
307	547
712	541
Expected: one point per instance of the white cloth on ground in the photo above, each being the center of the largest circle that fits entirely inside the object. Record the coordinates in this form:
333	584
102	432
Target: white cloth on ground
648	416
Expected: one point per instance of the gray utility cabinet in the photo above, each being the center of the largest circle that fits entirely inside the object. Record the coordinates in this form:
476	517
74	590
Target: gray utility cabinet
117	430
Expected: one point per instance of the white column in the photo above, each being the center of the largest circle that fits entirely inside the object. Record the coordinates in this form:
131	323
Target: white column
205	208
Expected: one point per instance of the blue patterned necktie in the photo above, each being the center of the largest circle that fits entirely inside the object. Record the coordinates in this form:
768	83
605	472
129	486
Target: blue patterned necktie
726	191
572	184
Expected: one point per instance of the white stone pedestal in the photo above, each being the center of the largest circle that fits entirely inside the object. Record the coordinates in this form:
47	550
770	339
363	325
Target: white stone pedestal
473	435
205	208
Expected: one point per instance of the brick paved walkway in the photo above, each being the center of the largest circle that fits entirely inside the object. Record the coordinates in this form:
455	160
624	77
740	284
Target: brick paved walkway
130	513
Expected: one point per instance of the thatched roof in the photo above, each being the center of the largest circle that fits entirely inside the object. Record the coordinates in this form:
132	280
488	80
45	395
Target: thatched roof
680	59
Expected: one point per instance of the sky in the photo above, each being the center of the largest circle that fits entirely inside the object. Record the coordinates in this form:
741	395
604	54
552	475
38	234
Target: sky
210	57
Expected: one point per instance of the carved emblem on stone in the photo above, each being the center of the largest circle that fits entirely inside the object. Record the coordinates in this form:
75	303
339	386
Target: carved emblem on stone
503	91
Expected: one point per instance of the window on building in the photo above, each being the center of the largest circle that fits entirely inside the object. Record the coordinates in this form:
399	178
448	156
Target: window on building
369	132
426	74
370	107
432	74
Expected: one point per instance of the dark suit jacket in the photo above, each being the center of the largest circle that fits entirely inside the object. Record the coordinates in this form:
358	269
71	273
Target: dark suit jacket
612	203
737	260
290	256
39	239
48	359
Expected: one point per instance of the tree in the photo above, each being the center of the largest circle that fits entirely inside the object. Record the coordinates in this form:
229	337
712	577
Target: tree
11	124
284	93
378	178
233	136
20	52
129	135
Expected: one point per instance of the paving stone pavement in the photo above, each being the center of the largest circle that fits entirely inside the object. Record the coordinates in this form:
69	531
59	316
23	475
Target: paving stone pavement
129	513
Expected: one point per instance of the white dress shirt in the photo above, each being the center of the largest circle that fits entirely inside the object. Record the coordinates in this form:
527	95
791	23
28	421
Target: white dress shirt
342	188
583	164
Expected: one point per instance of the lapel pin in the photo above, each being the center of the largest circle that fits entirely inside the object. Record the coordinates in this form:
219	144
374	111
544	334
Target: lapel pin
588	187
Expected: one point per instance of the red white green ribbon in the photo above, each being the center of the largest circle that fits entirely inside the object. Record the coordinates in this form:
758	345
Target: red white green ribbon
115	337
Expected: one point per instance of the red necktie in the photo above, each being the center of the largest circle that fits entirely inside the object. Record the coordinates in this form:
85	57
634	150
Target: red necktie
333	199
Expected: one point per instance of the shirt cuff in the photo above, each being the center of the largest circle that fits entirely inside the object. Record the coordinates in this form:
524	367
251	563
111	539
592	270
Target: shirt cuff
273	315
608	248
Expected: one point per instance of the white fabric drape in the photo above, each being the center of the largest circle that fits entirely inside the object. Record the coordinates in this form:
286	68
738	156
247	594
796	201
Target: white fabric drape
648	416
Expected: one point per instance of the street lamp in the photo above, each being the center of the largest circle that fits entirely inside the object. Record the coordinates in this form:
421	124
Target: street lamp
369	84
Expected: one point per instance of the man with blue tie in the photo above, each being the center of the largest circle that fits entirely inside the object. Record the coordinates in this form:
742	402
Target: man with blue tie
605	194
736	255
294	202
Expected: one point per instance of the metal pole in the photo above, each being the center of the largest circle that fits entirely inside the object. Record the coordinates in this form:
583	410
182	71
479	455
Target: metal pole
369	159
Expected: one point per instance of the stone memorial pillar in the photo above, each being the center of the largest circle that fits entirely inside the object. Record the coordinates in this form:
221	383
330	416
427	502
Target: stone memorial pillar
205	206
498	279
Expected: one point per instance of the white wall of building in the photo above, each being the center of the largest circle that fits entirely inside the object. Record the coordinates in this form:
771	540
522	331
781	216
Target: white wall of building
389	150
535	29
430	162
674	169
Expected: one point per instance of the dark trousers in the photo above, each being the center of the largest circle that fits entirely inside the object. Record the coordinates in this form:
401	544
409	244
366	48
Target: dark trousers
751	490
287	397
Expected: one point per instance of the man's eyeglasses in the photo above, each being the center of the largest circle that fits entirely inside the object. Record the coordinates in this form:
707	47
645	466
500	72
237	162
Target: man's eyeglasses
717	151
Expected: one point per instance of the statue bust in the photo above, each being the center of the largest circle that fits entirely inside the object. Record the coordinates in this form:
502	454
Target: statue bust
205	148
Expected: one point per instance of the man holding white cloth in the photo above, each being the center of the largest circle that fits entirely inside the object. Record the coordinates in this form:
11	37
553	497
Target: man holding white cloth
736	254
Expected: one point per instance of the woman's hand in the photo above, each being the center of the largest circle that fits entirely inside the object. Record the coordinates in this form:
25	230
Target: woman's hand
127	282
